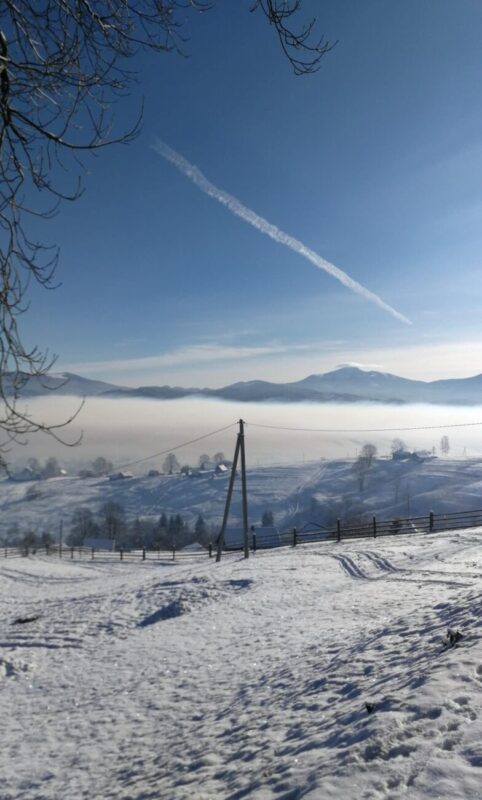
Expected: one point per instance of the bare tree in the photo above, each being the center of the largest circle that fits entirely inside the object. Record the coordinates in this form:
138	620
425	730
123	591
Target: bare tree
360	468
303	53
100	466
171	464
64	64
397	445
112	519
363	463
368	452
203	459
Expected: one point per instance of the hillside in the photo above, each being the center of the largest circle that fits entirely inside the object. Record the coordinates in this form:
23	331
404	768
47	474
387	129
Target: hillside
321	672
311	492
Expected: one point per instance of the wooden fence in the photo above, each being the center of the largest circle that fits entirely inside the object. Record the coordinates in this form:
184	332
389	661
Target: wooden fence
371	528
429	523
120	554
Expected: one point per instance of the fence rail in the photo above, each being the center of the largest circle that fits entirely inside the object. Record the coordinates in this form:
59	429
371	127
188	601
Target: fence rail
92	554
429	523
371	528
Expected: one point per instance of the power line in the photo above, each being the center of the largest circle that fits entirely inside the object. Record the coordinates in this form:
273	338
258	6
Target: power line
365	430
176	447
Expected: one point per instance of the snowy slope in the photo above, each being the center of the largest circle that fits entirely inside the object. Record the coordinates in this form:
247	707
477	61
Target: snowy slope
296	494
247	679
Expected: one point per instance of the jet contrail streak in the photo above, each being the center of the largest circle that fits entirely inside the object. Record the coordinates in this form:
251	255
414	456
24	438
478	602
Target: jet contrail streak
236	207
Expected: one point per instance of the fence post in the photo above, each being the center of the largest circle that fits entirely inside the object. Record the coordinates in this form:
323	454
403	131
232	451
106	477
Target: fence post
5	552
295	537
431	521
210	550
338	530
71	552
375	527
121	554
254	541
173	552
158	553
143	553
92	554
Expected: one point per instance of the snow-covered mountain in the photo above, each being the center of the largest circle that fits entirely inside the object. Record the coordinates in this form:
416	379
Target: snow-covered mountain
344	385
65	383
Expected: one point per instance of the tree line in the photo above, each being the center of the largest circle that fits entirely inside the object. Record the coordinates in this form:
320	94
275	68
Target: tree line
110	522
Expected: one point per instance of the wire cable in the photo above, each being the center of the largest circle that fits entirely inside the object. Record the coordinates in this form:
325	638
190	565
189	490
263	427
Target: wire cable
365	430
176	447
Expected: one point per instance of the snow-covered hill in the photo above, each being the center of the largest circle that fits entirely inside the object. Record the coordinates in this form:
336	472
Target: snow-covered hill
311	492
322	672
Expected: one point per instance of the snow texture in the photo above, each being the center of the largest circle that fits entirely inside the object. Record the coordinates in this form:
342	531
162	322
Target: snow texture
323	671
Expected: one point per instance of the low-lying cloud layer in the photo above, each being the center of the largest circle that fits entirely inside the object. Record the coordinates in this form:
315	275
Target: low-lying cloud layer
124	430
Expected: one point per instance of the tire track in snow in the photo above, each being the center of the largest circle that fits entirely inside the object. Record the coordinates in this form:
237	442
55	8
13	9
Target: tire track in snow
351	568
388	571
380	561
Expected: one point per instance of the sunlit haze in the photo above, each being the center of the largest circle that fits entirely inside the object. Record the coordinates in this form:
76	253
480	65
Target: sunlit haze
127	430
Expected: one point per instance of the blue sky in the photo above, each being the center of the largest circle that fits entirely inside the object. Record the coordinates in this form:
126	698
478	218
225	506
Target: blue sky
374	162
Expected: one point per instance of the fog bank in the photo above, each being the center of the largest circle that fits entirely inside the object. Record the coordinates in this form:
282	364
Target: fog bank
123	430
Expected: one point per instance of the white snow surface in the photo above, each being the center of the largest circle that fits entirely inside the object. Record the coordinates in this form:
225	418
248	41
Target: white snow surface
248	678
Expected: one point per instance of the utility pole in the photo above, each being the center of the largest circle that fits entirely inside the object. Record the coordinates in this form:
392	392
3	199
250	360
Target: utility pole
239	450
228	502
244	490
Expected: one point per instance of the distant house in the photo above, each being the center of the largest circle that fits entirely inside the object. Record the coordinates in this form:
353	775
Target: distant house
208	466
194	547
26	474
153	473
221	469
99	543
120	476
87	473
405	455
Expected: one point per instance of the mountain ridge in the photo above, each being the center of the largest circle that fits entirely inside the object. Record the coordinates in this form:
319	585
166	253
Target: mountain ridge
342	385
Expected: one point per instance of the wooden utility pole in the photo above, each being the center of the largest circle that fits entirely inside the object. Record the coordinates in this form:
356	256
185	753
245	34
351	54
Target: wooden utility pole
228	501
244	490
240	449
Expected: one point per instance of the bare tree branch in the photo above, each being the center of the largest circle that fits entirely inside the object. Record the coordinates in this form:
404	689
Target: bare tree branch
64	64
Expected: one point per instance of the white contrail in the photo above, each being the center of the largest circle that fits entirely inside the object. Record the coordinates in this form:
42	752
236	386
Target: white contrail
234	205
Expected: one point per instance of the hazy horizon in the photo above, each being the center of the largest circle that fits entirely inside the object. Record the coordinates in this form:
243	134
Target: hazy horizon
124	430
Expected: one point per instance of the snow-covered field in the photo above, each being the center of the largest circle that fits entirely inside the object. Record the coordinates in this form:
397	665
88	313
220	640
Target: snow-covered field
247	679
